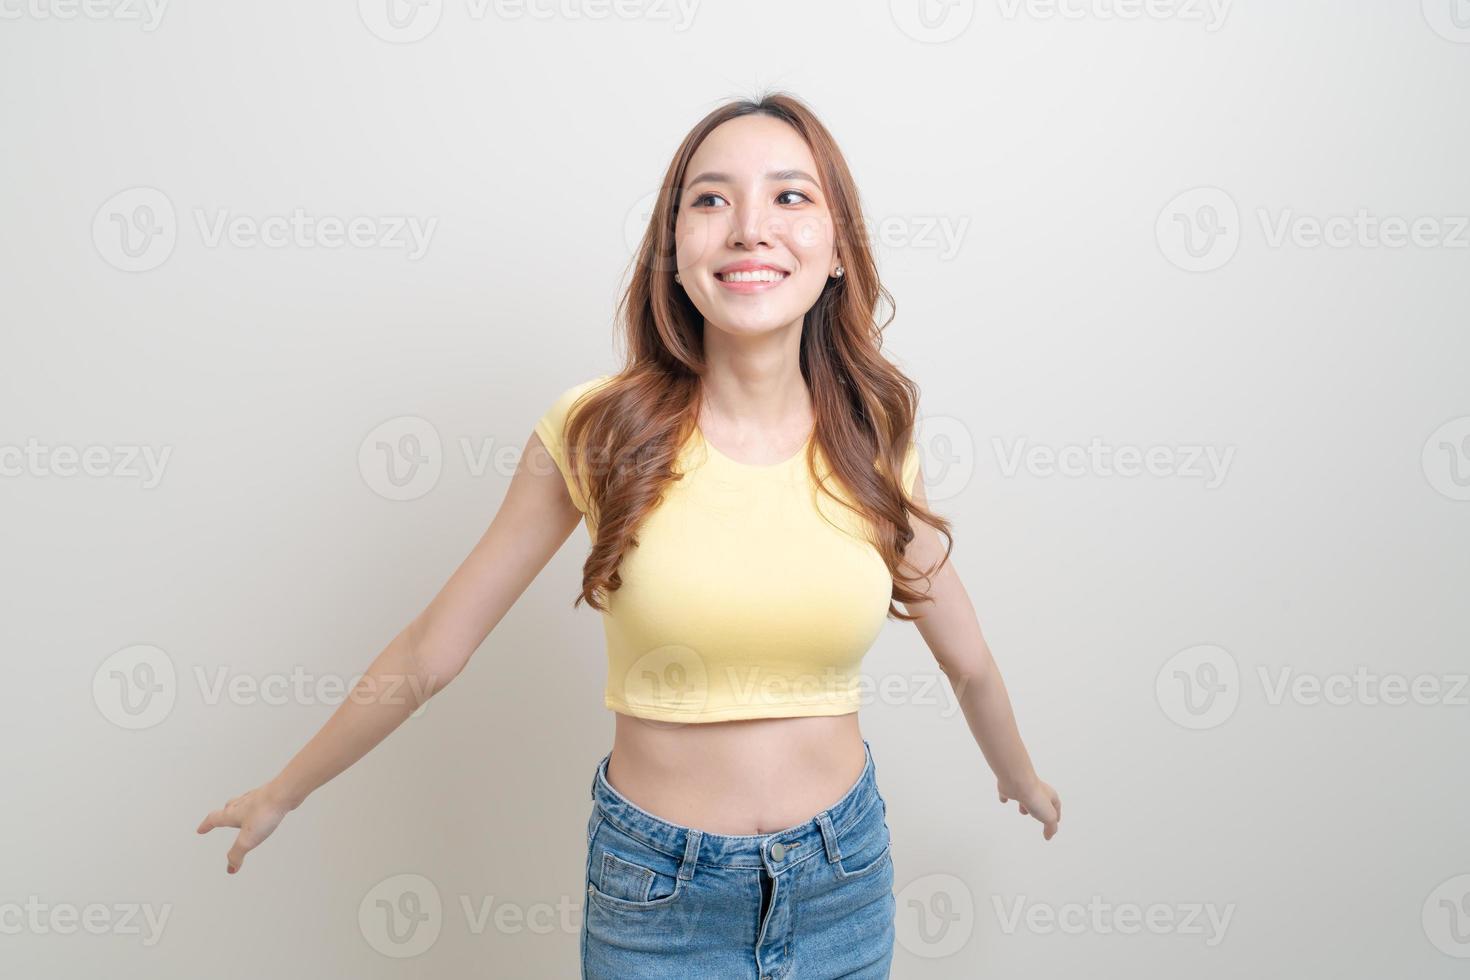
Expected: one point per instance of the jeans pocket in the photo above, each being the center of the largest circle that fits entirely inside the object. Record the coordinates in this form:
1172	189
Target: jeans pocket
864	845
626	874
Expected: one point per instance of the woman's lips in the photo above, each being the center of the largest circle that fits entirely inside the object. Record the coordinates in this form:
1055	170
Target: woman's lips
752	285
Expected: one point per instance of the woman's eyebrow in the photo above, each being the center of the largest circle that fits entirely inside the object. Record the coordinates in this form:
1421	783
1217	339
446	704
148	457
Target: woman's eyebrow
714	177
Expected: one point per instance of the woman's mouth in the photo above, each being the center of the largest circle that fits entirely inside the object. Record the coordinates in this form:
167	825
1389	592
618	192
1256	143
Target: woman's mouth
753	281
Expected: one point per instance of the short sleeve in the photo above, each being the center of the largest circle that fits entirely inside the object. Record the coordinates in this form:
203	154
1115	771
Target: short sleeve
551	427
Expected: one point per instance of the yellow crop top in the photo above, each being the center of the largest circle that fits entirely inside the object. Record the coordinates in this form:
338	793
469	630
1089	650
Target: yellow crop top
740	600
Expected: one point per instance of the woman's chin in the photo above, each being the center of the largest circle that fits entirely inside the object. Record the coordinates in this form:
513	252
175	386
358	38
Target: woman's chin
750	326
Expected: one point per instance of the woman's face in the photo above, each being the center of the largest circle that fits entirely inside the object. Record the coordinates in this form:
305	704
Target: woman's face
751	201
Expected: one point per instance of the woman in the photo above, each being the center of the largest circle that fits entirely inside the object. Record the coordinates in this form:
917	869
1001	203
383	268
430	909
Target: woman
751	491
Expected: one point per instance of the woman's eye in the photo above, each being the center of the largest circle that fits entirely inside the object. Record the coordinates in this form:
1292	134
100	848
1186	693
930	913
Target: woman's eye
709	196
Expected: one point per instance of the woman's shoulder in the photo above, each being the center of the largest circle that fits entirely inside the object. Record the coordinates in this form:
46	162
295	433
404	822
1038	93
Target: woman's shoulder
566	397
595	381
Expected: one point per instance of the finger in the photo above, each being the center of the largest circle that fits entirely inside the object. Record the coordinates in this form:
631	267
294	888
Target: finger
217	818
236	857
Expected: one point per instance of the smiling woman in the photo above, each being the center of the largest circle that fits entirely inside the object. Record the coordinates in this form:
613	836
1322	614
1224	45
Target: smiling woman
751	489
761	517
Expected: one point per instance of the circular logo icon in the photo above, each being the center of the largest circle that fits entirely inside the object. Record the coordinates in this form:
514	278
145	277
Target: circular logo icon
1199	687
1199	230
935	915
667	678
638	222
635	222
135	230
1446	459
401	916
401	21
1450	19
932	21
136	687
946	456
402	458
1446	917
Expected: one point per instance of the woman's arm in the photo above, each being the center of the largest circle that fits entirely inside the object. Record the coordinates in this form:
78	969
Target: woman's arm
533	521
949	625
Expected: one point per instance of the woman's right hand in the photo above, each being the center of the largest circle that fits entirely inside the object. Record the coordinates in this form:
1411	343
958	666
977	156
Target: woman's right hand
256	812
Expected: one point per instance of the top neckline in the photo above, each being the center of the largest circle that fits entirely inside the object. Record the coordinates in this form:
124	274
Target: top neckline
754	467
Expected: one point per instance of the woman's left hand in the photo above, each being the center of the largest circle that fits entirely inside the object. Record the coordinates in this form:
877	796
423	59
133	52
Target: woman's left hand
1038	800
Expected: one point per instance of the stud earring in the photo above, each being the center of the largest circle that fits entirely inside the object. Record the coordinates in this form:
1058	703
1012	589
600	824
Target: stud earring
677	279
839	272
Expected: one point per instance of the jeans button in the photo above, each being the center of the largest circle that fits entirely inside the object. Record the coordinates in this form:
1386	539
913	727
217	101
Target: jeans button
778	851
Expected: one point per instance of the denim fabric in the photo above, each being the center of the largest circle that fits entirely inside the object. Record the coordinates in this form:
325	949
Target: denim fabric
809	902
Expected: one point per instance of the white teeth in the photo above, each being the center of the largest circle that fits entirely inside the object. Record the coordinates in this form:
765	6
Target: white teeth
759	275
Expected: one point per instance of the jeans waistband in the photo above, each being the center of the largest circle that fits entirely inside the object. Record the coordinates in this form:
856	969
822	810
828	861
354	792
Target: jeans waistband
775	851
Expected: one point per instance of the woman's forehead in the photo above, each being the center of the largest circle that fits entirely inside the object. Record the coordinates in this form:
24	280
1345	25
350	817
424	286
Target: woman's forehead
752	145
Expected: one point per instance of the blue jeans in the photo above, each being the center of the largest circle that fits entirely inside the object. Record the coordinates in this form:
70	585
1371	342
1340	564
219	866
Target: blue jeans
808	902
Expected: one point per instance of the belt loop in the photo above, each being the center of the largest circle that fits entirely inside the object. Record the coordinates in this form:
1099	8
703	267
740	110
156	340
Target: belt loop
829	836
691	854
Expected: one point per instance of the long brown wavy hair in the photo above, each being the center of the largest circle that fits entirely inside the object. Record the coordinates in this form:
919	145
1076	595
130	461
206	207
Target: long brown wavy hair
623	438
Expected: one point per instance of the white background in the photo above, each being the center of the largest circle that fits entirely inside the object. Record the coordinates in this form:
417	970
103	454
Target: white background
1051	145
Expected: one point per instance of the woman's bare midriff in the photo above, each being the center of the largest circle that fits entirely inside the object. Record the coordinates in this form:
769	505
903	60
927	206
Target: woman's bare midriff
753	776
